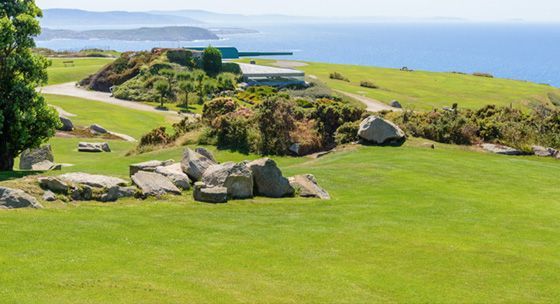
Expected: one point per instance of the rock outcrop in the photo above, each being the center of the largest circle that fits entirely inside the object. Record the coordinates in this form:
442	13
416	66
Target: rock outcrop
215	195
236	178
67	124
15	198
268	179
379	131
500	149
175	173
41	159
545	152
149	166
96	181
195	164
153	184
307	186
97	129
93	147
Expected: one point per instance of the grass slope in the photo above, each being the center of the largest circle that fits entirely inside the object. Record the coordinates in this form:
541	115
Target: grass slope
405	224
422	90
83	67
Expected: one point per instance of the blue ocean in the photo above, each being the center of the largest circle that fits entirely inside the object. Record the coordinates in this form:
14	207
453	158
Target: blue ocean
517	51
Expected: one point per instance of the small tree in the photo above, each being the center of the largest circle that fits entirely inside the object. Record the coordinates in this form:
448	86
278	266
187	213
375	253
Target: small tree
212	61
187	87
227	81
26	121
209	86
163	88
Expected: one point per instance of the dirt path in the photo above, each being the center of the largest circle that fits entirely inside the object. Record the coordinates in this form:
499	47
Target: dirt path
372	105
70	89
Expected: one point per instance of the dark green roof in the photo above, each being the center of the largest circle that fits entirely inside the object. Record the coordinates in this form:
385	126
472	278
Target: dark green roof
233	53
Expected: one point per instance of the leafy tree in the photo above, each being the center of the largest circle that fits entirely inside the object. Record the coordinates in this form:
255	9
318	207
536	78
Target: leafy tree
209	86
212	61
163	88
185	75
227	81
26	121
187	87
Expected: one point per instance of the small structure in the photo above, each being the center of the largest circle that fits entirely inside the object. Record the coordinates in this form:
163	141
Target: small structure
270	76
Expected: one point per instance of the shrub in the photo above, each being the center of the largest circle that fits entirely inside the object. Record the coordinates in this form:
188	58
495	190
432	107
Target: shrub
347	133
256	94
276	122
338	76
212	61
330	115
479	74
218	107
227	81
230	67
236	131
156	137
314	91
307	136
181	57
368	84
554	98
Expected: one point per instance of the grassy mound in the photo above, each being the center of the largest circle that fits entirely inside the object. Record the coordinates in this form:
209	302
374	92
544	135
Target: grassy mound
61	72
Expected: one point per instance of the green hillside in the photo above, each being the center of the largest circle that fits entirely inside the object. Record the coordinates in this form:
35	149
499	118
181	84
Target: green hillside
77	70
422	90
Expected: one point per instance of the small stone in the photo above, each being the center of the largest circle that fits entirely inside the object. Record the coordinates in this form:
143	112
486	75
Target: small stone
149	166
115	193
93	147
49	196
97	129
396	104
67	124
307	186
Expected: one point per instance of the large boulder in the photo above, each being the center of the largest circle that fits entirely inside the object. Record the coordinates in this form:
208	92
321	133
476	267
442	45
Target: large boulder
37	159
379	131
175	173
206	153
153	184
67	124
268	179
97	129
93	147
96	181
54	184
501	149
149	166
544	152
195	164
213	195
15	198
236	178
307	186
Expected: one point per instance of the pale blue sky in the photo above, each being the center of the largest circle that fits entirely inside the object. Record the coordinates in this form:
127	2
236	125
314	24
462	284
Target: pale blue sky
530	10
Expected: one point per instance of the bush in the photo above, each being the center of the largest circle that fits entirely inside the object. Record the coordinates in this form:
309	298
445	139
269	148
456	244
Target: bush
230	67
487	75
276	122
307	136
330	115
156	137
218	107
181	57
338	76
212	61
236	131
368	84
347	133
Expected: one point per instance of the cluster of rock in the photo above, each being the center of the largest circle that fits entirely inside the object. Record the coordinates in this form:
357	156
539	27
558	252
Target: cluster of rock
40	159
376	130
536	150
86	187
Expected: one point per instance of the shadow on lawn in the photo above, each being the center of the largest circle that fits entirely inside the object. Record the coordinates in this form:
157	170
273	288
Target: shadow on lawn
6	176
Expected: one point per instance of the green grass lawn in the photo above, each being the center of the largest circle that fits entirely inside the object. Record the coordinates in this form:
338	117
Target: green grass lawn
82	67
427	90
405	224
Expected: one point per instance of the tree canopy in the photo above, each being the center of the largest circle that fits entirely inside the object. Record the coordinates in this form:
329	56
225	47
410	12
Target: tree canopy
26	121
212	61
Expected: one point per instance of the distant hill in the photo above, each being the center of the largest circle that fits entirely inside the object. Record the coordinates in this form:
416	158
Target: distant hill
80	19
170	33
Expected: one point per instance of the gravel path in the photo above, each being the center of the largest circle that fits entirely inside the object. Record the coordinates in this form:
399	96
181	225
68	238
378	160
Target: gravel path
371	104
70	89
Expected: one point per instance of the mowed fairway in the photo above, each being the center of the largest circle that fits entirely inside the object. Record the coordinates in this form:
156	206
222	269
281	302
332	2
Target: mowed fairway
420	90
405	224
81	68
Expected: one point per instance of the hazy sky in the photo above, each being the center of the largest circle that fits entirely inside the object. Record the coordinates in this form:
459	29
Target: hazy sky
531	10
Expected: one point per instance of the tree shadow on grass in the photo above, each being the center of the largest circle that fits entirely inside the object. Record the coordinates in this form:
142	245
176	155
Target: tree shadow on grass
6	175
